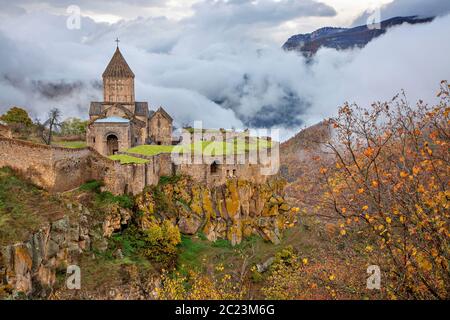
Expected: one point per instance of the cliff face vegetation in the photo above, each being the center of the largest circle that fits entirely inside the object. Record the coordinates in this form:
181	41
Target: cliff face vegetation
233	211
122	243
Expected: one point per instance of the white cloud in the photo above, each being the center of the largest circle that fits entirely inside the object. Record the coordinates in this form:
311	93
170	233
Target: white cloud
224	76
403	8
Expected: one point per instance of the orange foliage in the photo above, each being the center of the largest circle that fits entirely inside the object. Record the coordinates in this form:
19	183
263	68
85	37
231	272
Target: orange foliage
392	174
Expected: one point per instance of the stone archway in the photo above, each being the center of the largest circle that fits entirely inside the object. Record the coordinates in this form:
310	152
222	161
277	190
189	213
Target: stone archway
112	144
214	168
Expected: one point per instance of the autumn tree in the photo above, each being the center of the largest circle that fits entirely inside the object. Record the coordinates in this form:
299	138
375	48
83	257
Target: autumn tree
391	182
162	239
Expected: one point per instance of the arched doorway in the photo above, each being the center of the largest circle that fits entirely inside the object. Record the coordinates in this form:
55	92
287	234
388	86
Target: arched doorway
214	168
112	143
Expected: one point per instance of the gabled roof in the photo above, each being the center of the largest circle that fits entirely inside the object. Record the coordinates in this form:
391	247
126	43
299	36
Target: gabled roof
163	113
95	109
141	108
118	67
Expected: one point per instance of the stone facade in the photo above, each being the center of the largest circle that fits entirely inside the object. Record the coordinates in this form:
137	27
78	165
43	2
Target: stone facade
120	122
61	169
160	127
101	136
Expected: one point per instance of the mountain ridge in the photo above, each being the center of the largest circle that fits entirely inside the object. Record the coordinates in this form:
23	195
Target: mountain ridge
345	38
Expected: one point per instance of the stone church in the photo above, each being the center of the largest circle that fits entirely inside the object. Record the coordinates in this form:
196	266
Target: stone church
120	122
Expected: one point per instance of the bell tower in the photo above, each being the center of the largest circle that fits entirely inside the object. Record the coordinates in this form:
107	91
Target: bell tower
118	80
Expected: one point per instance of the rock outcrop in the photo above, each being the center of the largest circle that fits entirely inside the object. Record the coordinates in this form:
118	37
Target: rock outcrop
118	218
30	267
232	211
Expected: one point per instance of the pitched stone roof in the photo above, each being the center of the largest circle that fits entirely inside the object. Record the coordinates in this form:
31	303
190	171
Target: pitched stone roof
95	109
118	67
163	113
141	108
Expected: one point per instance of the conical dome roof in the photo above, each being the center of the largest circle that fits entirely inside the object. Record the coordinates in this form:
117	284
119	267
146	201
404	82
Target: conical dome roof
118	67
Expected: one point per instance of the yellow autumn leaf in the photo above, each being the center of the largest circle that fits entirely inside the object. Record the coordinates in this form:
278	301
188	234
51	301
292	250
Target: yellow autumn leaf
369	152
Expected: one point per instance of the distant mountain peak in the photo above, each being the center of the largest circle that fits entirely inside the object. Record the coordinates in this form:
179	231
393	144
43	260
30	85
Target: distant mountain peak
345	38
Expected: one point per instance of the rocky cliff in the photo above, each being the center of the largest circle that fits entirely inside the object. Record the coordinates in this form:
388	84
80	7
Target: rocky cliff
30	267
232	211
106	235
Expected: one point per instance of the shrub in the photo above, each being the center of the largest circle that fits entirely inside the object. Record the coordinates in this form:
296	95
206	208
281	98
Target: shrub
162	240
285	279
125	201
93	185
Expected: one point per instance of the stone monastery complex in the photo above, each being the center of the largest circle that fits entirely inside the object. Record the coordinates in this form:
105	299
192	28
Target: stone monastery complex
117	125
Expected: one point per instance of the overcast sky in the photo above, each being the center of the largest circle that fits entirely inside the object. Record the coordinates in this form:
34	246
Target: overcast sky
217	60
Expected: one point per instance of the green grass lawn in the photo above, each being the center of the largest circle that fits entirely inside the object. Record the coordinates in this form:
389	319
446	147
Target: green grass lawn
71	144
126	159
209	148
150	150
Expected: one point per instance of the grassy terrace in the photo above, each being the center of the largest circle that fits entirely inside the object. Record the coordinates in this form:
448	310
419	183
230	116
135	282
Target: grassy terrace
205	147
126	159
71	144
208	148
150	150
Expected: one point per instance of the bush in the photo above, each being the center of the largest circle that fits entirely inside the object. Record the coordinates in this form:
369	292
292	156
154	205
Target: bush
93	185
125	201
162	240
285	281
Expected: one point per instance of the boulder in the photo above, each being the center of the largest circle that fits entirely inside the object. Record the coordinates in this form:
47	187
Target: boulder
189	225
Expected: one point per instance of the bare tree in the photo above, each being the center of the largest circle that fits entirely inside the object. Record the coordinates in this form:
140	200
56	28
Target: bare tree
46	129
